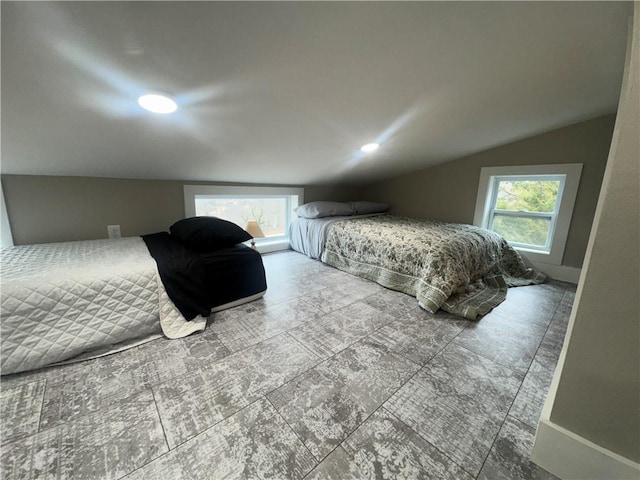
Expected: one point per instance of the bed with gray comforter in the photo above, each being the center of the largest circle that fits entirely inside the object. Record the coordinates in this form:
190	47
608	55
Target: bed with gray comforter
461	269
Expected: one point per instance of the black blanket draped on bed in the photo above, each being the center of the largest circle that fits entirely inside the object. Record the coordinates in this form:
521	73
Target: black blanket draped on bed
197	282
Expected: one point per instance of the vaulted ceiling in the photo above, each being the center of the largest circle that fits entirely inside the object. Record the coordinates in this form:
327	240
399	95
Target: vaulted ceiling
287	92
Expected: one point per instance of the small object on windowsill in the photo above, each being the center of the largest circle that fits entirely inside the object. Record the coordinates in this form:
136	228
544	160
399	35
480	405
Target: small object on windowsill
255	231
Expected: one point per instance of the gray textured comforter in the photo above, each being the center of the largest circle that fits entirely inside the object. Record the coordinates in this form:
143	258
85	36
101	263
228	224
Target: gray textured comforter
60	300
462	269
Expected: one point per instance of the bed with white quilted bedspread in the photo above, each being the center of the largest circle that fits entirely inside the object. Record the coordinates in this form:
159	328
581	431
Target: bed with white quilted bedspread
60	300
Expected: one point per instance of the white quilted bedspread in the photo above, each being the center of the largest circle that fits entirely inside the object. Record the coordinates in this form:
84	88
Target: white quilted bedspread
60	300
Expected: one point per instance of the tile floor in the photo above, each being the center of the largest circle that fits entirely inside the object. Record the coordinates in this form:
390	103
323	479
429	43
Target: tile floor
327	377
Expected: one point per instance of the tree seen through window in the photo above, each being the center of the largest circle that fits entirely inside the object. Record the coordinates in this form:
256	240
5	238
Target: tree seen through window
270	213
519	210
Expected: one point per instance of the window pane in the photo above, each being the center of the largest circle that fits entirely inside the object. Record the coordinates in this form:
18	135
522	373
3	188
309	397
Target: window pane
528	231
270	213
527	195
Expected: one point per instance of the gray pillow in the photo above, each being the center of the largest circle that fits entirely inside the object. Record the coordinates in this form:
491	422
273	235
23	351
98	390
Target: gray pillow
324	209
364	208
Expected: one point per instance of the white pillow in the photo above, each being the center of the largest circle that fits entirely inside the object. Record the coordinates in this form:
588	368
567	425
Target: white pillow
324	209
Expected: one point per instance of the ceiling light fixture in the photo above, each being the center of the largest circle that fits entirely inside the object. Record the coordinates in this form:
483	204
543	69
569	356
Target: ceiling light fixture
369	147
157	103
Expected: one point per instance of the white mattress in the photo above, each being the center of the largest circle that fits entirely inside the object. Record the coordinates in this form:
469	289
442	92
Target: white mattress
60	300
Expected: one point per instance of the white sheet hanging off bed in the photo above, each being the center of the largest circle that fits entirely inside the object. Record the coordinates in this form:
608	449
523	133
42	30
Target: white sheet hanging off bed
63	299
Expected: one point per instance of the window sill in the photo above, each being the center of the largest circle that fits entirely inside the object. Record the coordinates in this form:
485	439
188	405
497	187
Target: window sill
545	253
271	246
539	256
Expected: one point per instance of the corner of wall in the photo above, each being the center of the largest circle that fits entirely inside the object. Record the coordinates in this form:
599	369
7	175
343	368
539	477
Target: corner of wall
6	239
612	248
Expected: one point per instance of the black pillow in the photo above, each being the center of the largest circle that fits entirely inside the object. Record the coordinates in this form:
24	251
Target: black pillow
205	234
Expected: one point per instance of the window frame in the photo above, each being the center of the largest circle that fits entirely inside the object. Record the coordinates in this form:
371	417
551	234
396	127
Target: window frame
492	211
293	195
559	228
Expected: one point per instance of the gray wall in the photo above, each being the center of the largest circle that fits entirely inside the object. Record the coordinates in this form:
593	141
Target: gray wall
336	193
447	192
45	209
598	395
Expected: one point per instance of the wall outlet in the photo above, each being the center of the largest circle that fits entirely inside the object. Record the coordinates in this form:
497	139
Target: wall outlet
114	231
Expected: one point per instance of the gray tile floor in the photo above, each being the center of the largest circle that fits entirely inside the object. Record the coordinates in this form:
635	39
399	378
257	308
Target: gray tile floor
327	377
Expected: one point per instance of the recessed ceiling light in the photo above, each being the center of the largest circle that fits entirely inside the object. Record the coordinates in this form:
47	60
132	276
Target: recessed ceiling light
157	103
369	147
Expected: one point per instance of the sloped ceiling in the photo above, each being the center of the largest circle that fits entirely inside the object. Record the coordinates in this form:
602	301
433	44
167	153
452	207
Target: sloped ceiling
287	92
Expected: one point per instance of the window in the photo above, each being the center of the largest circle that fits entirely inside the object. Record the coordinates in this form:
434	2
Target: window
524	209
269	212
271	207
530	206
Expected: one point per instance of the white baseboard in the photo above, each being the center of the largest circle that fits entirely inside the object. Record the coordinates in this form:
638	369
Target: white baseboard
569	456
559	272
